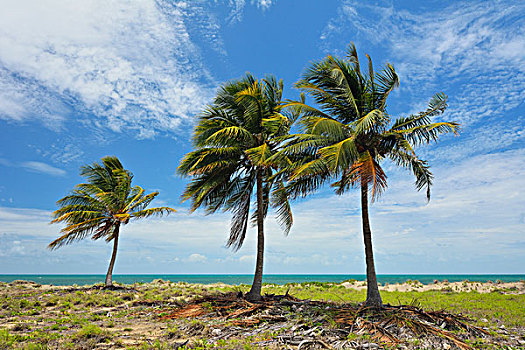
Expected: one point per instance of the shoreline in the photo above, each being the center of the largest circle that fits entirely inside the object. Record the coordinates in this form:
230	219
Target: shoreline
408	286
277	279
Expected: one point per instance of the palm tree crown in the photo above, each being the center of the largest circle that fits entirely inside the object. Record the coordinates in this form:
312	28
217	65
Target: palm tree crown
234	138
350	132
100	206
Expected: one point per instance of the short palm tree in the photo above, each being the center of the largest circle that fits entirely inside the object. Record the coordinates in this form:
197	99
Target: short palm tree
235	136
350	133
100	206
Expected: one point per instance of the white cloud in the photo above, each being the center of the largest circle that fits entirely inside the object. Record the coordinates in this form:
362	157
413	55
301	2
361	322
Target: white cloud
475	217
131	64
197	258
16	215
471	48
43	168
237	8
62	153
247	258
35	167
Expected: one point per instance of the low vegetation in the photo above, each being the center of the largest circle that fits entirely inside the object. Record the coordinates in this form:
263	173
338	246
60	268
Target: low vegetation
163	315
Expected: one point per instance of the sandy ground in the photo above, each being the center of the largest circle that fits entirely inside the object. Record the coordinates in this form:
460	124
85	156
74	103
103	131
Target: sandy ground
134	318
465	286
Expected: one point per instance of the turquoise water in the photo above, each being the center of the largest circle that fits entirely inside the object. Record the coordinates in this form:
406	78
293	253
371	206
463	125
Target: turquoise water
247	279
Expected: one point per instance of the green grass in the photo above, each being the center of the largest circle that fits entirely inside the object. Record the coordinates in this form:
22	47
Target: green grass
495	307
72	319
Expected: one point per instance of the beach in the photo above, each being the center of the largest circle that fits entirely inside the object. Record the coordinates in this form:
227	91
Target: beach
166	315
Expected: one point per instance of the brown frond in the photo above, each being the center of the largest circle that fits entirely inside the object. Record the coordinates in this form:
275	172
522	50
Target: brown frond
367	170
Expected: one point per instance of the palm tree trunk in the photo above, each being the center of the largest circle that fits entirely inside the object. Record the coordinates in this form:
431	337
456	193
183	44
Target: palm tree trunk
255	292
373	298
109	275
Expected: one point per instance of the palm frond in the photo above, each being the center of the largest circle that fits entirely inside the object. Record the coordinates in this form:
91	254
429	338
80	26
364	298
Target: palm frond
282	204
324	126
340	155
387	80
98	207
239	222
436	106
230	136
76	232
374	120
259	155
428	132
368	171
142	202
146	213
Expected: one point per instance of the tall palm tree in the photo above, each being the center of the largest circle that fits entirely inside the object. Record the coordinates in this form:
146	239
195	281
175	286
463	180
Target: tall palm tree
100	206
235	136
350	132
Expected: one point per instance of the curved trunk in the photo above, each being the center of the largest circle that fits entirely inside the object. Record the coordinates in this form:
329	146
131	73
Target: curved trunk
109	275
255	292
373	298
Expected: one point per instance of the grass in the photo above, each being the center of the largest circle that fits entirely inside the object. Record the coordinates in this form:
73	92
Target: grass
32	318
496	308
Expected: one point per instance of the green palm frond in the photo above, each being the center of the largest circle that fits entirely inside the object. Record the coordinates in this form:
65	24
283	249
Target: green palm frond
375	119
230	136
305	109
277	124
418	167
142	202
428	132
312	168
349	132
96	208
146	213
239	222
237	136
436	106
281	202
387	81
340	155
77	215
324	126
259	155
76	232
208	159
307	182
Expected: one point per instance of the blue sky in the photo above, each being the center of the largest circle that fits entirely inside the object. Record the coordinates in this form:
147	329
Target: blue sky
83	79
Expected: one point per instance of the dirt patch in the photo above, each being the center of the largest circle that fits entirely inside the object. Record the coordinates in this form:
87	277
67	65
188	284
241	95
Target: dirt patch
171	315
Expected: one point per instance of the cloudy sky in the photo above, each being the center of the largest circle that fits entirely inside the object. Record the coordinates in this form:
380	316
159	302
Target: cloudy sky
80	80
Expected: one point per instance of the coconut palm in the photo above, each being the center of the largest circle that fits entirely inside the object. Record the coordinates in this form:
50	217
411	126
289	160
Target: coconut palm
99	207
234	138
349	134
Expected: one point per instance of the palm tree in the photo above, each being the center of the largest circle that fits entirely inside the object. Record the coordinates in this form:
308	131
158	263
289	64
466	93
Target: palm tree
100	206
350	132
235	136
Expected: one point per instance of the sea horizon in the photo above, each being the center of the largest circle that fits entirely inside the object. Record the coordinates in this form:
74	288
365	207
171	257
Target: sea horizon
236	279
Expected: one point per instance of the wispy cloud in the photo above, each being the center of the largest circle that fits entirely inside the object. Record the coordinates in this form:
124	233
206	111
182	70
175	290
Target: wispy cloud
197	258
467	227
61	153
237	8
36	167
473	48
121	66
43	168
132	65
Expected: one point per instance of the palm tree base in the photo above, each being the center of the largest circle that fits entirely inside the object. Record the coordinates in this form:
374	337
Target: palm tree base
253	297
373	304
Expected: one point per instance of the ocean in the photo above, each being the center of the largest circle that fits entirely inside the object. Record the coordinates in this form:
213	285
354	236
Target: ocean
247	279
